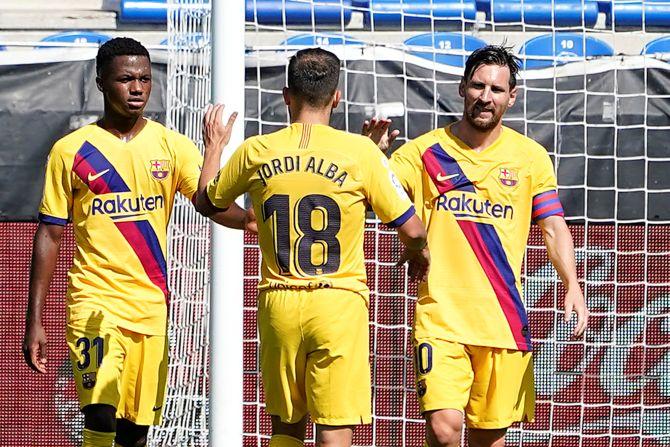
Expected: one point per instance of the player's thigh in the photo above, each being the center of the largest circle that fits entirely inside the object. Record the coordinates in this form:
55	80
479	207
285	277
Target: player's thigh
97	352
282	355
144	379
338	368
503	388
444	374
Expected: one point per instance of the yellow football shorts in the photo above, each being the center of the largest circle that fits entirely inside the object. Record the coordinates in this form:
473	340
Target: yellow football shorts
493	387
315	355
118	367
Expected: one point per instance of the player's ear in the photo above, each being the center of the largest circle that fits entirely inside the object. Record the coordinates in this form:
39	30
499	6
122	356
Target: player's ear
98	83
287	96
461	88
337	96
512	97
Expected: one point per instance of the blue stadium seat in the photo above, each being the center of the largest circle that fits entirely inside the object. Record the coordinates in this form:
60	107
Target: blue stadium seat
411	13
559	13
77	37
264	12
311	40
445	41
630	13
143	11
560	48
660	45
327	12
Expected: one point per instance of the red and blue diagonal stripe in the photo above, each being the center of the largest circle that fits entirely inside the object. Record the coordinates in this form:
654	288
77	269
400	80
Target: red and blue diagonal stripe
490	253
546	204
144	242
444	170
90	163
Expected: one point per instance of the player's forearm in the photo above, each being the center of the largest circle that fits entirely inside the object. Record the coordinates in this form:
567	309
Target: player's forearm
46	245
210	167
561	250
234	217
412	233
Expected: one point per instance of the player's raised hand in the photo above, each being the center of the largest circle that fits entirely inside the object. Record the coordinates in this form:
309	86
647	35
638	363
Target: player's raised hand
216	134
418	263
574	302
377	129
35	347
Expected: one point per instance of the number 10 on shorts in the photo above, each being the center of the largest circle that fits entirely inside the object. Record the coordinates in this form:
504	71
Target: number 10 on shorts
423	358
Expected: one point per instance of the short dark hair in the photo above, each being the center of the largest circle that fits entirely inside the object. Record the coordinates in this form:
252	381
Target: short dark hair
119	46
493	55
313	74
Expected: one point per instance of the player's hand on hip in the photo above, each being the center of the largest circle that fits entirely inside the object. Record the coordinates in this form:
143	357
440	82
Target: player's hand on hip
215	134
418	263
250	223
574	302
35	347
378	131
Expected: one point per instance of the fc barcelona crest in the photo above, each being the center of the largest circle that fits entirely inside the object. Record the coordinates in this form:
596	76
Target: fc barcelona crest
421	387
508	177
160	169
88	380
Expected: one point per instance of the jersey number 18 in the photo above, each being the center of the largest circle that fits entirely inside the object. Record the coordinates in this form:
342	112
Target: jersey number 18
324	235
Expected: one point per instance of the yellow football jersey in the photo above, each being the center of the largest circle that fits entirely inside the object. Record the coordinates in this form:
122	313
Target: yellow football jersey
309	185
119	197
477	208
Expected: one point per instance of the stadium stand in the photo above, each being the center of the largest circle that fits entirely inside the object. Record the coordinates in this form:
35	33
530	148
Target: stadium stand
444	42
331	13
77	37
636	14
401	14
58	14
265	12
352	14
321	39
556	49
143	11
559	13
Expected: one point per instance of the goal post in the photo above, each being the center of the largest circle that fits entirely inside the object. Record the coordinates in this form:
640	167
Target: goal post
226	286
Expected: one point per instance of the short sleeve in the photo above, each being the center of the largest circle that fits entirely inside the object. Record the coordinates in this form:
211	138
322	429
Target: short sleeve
544	188
232	180
56	205
383	190
407	165
188	166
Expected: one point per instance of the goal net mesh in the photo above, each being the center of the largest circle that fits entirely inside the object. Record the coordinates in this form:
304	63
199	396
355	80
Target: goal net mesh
601	111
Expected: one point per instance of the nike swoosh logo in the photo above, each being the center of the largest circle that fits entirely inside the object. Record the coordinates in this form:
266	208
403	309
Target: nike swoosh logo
92	177
157	408
442	178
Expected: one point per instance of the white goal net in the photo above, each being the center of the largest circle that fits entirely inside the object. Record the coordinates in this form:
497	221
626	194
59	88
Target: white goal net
595	92
189	67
